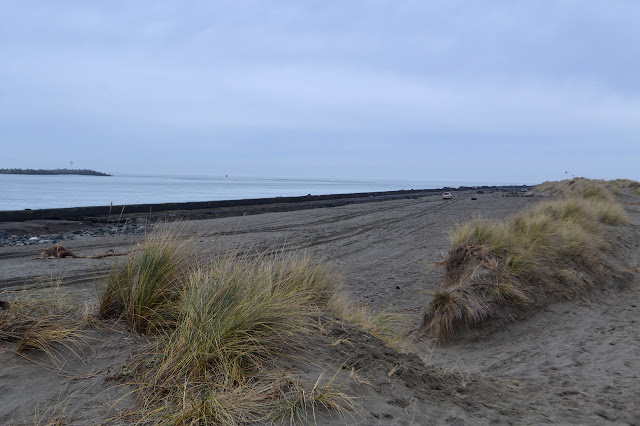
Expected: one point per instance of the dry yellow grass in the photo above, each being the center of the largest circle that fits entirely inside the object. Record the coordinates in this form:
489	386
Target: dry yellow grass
580	187
221	325
588	188
626	183
237	315
454	307
240	312
555	248
46	320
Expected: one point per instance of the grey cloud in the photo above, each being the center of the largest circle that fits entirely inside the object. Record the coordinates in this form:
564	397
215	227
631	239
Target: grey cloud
319	77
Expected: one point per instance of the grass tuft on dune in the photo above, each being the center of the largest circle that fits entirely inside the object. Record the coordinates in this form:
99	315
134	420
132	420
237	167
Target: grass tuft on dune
46	320
556	248
240	312
588	188
145	289
217	330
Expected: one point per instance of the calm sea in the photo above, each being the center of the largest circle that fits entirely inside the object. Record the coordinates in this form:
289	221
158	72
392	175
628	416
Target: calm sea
18	192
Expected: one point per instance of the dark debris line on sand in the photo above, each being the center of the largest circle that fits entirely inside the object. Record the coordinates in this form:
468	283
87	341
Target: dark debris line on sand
95	231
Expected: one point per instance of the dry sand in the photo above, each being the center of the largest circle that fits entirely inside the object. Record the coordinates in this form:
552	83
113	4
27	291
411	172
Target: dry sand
573	363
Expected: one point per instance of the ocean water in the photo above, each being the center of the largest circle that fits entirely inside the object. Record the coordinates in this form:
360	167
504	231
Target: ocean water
18	192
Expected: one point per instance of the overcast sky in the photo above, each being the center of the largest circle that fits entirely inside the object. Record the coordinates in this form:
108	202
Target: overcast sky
506	91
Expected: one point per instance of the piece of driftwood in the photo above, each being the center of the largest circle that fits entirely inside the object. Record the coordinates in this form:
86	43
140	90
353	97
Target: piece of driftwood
58	252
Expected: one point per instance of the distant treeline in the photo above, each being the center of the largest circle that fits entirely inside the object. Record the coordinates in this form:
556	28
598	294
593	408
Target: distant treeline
84	172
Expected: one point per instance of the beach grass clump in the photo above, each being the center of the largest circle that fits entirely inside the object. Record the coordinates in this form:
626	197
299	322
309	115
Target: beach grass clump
220	330
582	188
626	183
589	188
146	288
206	403
235	318
556	248
388	326
297	402
239	313
587	211
46	320
453	308
273	397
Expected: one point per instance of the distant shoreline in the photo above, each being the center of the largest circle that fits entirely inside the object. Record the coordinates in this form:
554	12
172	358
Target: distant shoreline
83	172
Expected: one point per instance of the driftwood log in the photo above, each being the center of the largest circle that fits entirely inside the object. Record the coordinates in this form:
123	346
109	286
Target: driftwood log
58	252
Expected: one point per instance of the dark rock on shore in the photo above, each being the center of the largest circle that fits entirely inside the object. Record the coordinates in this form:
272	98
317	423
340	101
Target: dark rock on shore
95	231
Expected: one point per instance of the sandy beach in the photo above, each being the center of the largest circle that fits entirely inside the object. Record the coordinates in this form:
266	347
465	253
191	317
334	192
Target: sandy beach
575	362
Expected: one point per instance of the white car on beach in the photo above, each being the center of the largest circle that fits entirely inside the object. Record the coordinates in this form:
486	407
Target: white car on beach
446	196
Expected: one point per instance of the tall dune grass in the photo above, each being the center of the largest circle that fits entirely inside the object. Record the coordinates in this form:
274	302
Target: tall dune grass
239	313
220	326
555	248
145	289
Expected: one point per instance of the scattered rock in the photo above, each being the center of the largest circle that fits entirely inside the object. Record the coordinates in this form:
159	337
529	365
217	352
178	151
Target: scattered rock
99	230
